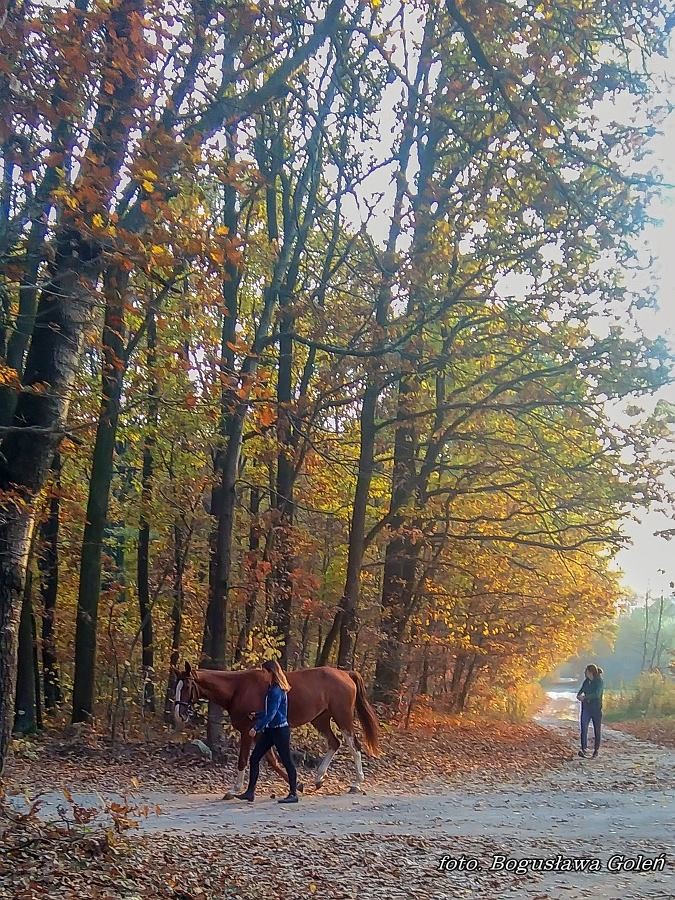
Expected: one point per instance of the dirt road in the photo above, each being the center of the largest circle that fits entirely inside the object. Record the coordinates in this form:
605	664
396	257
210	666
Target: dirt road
390	845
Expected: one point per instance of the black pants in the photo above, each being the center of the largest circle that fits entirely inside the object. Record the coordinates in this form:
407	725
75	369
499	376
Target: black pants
280	739
590	713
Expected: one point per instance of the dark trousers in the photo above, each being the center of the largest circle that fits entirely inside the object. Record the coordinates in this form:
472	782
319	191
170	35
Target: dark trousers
280	739
590	713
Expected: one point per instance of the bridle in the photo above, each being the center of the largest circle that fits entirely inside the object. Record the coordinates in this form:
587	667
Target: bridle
192	700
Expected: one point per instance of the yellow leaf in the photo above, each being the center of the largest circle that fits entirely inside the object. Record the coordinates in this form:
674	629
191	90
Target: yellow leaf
97	221
148	186
8	375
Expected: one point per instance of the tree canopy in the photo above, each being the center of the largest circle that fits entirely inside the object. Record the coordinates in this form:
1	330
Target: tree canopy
312	322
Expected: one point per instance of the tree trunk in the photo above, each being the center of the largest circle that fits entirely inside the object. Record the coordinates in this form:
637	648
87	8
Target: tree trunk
27	452
180	548
25	718
398	586
36	671
225	467
463	679
48	562
646	634
319	644
424	677
283	532
53	356
35	250
657	636
304	637
344	623
99	497
143	558
252	597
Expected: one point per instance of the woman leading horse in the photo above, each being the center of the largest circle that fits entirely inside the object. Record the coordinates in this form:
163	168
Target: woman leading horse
272	730
317	696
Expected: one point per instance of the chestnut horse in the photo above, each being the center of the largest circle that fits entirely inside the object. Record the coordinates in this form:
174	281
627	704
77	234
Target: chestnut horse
316	696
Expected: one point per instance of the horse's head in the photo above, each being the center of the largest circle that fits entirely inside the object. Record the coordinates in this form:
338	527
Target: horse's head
186	695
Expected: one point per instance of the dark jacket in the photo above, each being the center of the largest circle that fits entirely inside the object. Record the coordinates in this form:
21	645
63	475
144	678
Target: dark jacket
275	714
592	689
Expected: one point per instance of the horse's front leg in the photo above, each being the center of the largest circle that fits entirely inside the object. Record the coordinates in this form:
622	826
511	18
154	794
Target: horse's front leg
244	752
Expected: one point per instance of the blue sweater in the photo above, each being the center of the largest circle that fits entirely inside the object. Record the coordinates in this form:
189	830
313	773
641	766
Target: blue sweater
275	714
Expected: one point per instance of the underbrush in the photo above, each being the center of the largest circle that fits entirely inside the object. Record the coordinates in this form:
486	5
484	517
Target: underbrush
517	703
651	697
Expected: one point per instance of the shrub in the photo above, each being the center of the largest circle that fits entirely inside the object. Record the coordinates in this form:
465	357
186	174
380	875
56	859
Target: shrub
652	696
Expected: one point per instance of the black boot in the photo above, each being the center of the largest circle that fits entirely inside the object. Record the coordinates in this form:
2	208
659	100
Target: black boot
291	798
247	795
582	754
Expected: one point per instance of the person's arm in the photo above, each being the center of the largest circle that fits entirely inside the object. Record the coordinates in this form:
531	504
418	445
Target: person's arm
272	703
582	689
596	689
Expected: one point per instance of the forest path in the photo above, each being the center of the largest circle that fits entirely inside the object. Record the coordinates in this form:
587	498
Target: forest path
389	844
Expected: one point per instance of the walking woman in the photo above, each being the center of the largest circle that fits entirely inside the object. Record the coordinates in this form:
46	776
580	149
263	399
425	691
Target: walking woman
272	730
590	695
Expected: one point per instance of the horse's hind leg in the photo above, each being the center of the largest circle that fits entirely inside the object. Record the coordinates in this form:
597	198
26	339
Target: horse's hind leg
343	715
355	748
273	760
322	725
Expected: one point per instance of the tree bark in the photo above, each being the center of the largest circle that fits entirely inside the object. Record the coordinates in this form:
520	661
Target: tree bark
25	717
26	453
99	497
344	622
36	671
181	540
283	530
252	597
48	562
53	356
143	558
400	563
225	466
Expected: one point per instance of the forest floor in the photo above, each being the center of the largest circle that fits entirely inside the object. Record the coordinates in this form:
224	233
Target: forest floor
475	790
659	731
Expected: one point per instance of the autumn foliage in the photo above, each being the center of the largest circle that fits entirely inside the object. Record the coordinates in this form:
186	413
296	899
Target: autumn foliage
313	323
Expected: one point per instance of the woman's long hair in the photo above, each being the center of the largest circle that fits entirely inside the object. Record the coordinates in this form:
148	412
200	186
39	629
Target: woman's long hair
595	671
278	674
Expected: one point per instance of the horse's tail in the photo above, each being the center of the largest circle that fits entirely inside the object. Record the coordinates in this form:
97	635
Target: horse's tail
367	717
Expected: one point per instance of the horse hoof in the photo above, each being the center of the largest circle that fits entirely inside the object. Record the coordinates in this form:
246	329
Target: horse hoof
318	784
229	796
301	788
355	789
